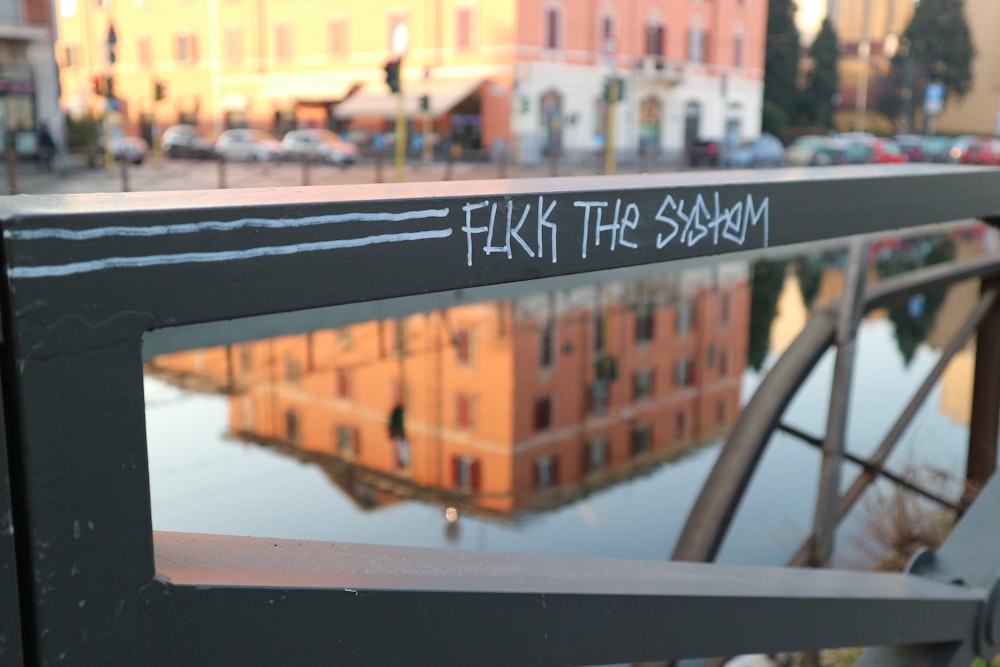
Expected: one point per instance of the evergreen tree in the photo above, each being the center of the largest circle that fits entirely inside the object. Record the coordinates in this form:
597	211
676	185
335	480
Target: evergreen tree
781	59
938	45
822	85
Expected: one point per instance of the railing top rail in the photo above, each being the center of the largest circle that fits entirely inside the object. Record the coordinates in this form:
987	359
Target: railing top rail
184	257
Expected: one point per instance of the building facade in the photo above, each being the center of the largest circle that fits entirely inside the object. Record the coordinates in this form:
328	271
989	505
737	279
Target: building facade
528	72
29	84
979	111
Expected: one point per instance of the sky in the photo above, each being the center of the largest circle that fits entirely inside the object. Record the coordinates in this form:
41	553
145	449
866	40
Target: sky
809	17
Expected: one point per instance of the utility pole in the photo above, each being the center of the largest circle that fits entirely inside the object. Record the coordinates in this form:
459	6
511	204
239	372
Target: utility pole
400	42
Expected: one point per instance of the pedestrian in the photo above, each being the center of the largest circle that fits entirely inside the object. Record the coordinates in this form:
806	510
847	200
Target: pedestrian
46	147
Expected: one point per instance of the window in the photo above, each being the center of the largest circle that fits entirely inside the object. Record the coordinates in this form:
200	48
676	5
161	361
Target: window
292	431
463	29
599	341
608	42
641	438
597	398
348	440
547	344
642	384
246	357
724	309
697	44
683	373
187	48
293	370
465	417
543	413
723	363
546	471
71	56
466	473
685	313
655	39
738	50
342	381
680	424
343	337
283	41
463	347
336	35
144	51
396	19
233	45
553	28
645	325
710	356
595	456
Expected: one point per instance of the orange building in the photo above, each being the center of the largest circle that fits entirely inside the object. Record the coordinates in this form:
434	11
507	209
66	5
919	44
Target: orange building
530	72
504	406
28	84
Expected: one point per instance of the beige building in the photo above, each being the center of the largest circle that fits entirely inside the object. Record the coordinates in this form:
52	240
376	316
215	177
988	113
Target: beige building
979	111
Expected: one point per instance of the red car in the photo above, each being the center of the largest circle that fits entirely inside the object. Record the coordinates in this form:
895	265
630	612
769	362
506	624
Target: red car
887	151
984	150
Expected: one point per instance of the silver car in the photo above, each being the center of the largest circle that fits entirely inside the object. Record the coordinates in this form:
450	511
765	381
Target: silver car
247	145
319	146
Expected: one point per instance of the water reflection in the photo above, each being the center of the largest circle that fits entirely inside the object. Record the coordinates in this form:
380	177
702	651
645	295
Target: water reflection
576	418
497	408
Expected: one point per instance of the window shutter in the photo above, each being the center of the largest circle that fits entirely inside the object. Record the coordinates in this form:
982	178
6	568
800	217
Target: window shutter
474	473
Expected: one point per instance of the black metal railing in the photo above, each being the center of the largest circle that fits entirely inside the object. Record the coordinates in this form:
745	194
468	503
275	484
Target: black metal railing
85	580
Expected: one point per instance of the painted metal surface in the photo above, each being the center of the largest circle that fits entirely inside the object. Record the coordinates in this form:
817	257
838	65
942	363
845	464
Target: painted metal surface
87	276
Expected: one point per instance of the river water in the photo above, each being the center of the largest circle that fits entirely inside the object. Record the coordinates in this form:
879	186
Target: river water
575	416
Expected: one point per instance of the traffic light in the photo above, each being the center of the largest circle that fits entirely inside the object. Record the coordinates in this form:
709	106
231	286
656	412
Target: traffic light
392	74
614	89
159	91
112	41
109	86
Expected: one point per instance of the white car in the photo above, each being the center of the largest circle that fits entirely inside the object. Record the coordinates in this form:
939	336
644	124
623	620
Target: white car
133	149
319	146
247	145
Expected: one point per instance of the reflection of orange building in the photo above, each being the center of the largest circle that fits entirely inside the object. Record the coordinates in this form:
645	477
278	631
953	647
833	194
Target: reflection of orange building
503	404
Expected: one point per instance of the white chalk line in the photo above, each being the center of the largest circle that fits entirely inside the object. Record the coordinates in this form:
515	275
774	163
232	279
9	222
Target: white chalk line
93	265
217	225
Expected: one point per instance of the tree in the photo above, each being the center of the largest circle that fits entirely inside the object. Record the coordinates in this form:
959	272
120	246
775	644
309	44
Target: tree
768	279
936	46
823	81
781	58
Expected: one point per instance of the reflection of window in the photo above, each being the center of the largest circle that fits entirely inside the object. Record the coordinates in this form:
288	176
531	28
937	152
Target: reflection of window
548	344
696	44
465	406
343	382
599	341
336	32
597	398
724	309
343	336
685	311
293	370
710	356
680	424
463	347
644	325
283	41
463	28
348	440
292	433
543	413
683	373
596	455
608	34
721	410
642	384
553	18
546	471
465	473
641	438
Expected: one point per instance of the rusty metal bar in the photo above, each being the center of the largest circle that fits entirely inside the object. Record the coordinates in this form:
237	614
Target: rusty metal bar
874	468
982	458
851	306
881	453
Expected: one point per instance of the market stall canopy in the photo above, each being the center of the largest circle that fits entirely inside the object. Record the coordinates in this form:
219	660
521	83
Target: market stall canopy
377	101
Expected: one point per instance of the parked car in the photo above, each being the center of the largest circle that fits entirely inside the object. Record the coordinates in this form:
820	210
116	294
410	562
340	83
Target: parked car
764	151
956	148
318	145
248	145
704	153
817	151
186	141
914	146
133	149
883	151
984	150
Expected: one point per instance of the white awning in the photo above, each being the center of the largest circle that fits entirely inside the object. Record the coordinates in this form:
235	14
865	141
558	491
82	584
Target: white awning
376	100
304	87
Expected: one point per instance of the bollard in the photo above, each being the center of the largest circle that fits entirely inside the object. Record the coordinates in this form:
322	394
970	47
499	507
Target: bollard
11	170
124	169
306	162
222	171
